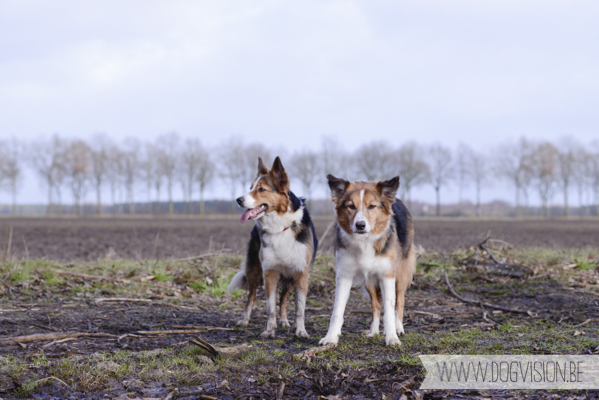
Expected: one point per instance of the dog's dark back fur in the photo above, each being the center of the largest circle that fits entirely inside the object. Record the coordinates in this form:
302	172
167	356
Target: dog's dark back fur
404	226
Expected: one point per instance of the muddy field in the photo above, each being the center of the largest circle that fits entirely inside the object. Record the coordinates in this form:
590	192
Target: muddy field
79	239
119	310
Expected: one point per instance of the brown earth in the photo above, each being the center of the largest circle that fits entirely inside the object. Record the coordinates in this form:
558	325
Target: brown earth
431	312
78	239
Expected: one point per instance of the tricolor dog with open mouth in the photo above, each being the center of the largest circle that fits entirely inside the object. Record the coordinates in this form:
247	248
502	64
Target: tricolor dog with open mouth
282	247
373	248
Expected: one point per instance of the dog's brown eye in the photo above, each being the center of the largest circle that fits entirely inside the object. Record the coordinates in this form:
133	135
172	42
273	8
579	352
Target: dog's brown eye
351	207
370	207
261	189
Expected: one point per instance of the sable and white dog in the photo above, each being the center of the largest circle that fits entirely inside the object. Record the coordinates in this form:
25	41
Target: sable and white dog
282	247
373	248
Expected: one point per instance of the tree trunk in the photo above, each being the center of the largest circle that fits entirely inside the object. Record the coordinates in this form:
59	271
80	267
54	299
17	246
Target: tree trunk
438	209
50	190
478	209
566	208
517	210
171	208
14	200
98	199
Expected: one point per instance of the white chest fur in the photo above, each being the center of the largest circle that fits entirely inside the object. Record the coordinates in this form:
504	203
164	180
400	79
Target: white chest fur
280	250
360	261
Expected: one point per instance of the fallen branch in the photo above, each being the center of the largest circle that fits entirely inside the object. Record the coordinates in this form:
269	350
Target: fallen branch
489	320
58	341
583	324
480	302
425	313
51	336
222	352
281	390
207	328
482	246
104	300
164	303
92	277
171	332
324	235
313	351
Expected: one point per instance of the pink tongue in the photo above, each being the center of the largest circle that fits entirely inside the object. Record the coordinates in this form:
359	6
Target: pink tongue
245	215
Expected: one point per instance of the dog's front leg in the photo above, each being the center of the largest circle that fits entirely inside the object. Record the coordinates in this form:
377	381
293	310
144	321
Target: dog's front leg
301	291
271	277
342	289
388	291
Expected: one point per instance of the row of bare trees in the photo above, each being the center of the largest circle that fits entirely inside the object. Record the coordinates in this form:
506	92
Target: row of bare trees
130	167
123	168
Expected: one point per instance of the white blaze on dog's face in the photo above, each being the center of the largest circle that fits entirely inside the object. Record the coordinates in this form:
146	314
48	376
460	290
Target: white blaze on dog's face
268	192
363	208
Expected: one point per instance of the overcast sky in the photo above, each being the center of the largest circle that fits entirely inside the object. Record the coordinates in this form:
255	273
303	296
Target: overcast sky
286	73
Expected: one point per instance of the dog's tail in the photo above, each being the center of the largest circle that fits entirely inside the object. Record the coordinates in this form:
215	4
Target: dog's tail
238	281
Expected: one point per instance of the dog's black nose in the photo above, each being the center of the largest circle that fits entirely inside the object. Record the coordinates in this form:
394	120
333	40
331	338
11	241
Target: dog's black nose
240	201
360	225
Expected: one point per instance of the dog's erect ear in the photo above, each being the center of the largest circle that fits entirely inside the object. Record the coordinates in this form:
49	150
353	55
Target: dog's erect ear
338	187
280	176
387	189
262	170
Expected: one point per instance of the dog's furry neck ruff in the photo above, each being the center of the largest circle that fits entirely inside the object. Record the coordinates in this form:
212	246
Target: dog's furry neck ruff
273	223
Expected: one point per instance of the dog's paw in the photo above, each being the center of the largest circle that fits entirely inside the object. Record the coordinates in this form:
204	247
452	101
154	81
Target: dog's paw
268	334
243	322
371	333
284	323
301	333
329	340
399	327
392	341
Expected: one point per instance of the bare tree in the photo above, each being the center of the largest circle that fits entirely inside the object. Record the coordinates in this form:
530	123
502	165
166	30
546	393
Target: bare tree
594	173
566	157
463	169
544	161
513	164
413	170
205	173
374	161
147	169
78	168
232	155
305	166
100	147
441	170
114	173
582	173
167	147
45	158
333	161
11	168
478	166
189	167
130	169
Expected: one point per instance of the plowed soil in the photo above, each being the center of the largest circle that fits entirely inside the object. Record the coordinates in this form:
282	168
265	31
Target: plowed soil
78	239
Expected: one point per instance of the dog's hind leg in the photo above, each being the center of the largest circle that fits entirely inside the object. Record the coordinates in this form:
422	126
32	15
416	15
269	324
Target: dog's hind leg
271	278
403	280
286	288
301	292
375	302
253	276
